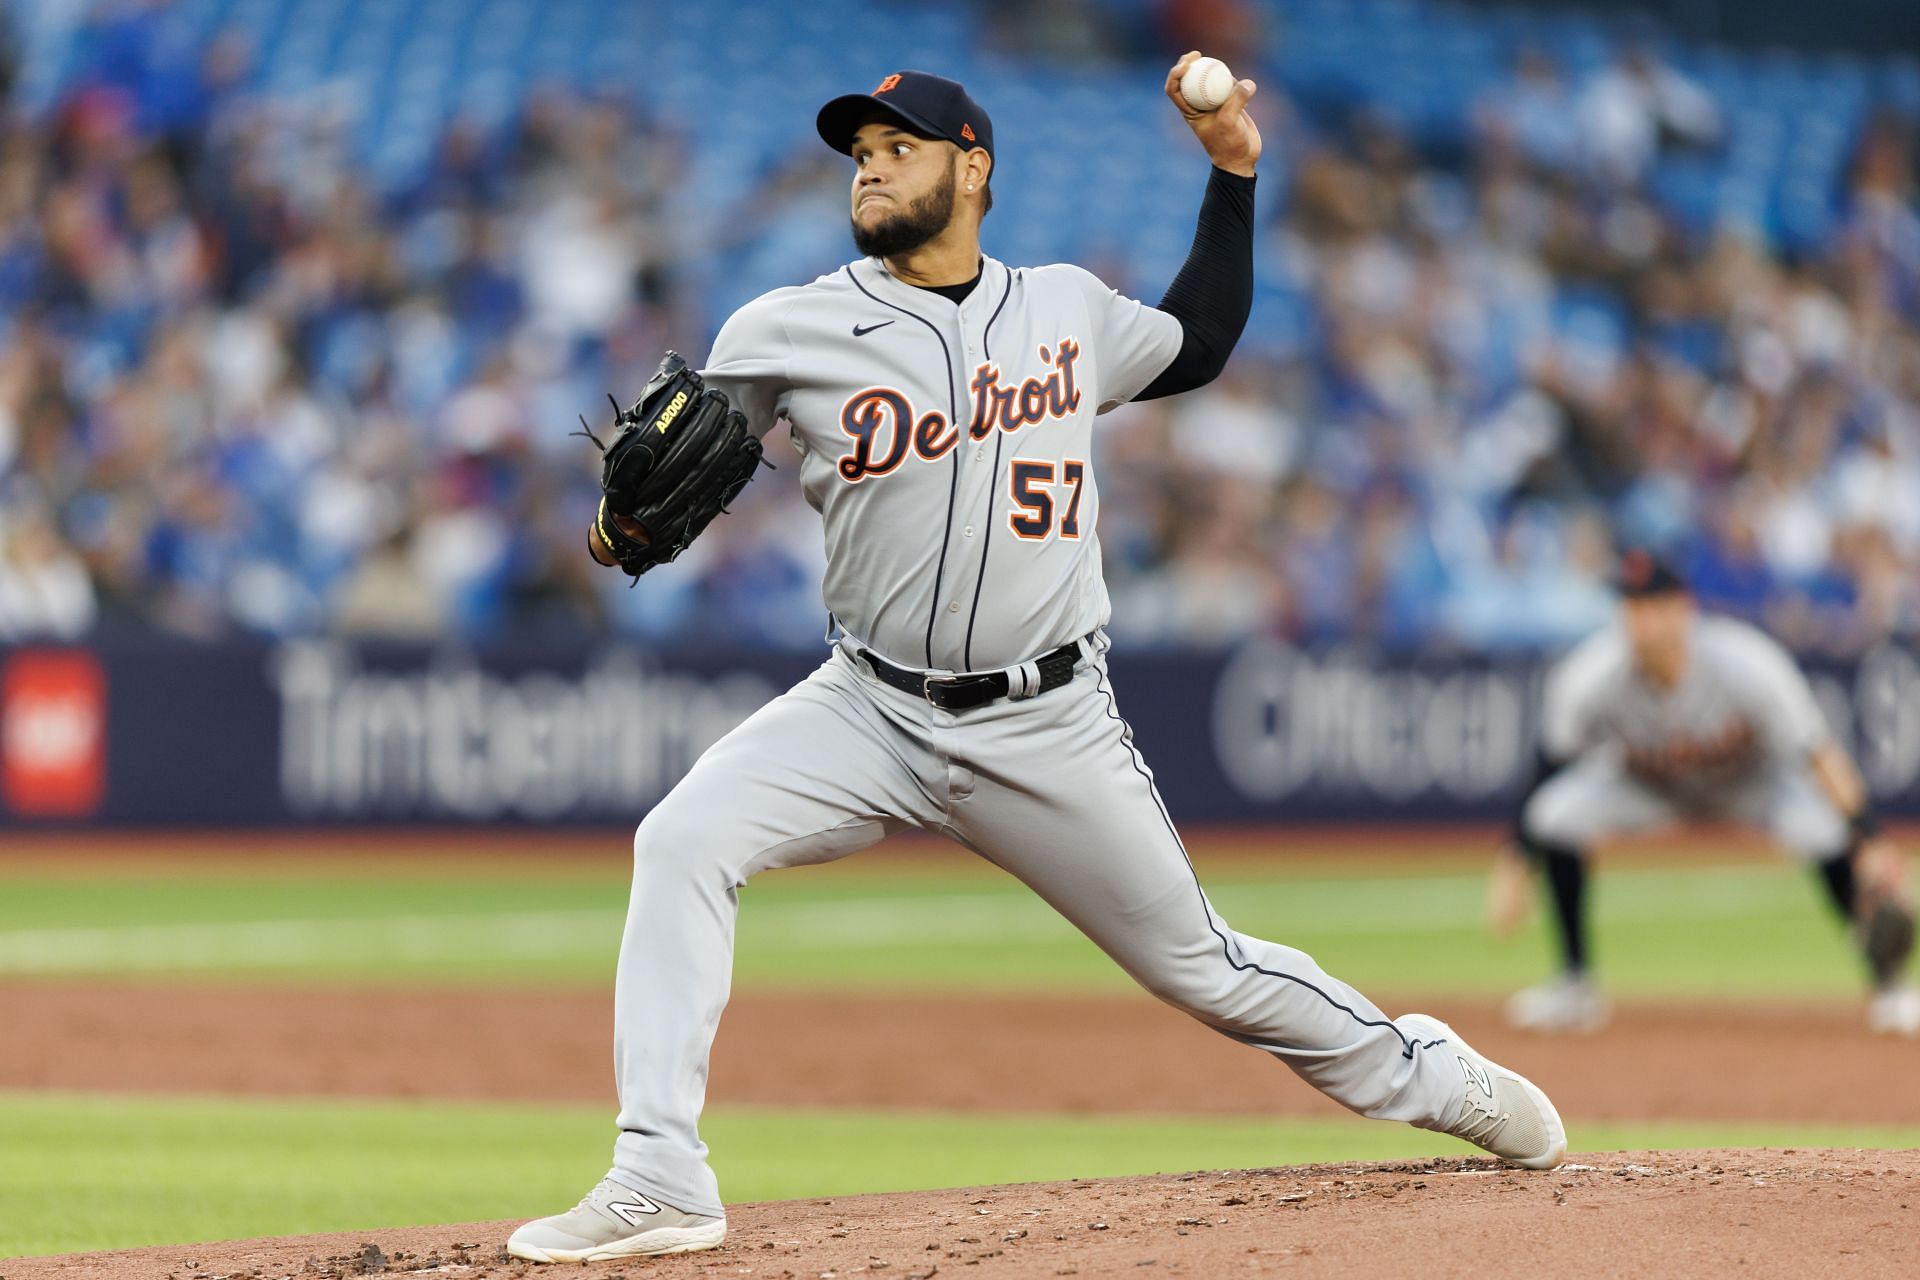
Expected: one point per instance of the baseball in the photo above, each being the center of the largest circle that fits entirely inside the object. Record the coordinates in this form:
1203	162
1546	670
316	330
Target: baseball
1206	84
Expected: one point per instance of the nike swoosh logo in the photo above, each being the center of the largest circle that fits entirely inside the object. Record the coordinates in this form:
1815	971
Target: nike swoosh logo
858	332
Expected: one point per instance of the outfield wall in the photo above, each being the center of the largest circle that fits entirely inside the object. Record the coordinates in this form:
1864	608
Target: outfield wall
164	733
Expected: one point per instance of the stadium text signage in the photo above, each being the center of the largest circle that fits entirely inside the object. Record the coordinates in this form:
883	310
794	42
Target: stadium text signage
456	740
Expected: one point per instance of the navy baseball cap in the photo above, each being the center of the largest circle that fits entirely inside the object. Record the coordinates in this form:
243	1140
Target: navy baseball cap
1642	574
932	106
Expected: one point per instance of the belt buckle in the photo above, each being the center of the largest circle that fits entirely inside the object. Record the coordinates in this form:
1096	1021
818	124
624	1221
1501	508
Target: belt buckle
933	688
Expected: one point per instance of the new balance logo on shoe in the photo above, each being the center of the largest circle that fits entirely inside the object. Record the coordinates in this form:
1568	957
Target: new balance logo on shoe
632	1211
1476	1076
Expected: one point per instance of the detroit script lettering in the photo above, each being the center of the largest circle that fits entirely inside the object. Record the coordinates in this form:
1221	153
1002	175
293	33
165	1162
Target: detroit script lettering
883	426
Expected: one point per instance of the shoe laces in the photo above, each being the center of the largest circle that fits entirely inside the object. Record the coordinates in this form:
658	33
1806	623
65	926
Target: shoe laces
586	1201
1481	1122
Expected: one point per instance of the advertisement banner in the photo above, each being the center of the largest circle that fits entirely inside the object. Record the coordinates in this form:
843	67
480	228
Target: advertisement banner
323	733
52	733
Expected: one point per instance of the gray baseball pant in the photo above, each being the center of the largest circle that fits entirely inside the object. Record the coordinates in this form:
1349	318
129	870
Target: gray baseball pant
1596	799
1049	788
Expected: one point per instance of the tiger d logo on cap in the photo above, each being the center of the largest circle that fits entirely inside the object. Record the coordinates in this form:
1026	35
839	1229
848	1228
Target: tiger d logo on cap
928	105
1642	573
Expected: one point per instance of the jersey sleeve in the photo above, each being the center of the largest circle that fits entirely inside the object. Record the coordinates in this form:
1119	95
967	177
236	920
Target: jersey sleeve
1775	692
749	363
1131	342
1575	691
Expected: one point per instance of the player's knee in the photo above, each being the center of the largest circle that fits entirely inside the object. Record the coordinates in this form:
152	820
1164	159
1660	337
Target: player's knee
1197	989
1815	835
670	835
1549	823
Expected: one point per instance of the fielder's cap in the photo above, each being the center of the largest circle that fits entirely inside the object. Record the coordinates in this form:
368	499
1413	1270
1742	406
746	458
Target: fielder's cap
932	106
1642	574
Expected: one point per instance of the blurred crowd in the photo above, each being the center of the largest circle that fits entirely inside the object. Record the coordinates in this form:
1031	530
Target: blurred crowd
243	391
1517	365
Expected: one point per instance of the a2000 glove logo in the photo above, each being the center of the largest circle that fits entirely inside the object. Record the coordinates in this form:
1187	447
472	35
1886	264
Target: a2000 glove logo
668	414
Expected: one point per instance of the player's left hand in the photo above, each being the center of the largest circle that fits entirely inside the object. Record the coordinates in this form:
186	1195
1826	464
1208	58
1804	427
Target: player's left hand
605	555
678	456
1228	133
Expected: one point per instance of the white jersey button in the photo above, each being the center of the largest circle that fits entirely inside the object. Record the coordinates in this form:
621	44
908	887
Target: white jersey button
953	606
969	531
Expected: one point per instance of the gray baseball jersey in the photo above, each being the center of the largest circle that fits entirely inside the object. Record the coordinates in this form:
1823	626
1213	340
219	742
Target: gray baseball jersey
1740	705
1732	739
947	448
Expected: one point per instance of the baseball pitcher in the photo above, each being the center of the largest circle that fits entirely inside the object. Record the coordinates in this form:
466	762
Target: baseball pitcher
1673	716
943	404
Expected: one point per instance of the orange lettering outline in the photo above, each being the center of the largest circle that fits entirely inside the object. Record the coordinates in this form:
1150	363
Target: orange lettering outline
1038	506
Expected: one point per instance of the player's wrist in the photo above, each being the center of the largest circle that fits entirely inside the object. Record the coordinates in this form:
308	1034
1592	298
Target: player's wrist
597	546
1864	823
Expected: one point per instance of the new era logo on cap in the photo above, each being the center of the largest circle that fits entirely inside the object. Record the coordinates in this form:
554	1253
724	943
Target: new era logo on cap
966	131
888	85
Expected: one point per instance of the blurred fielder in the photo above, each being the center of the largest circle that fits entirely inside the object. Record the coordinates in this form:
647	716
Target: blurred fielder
1669	717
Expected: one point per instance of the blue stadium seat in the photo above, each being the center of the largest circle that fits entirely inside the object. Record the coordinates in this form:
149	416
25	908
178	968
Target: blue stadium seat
413	64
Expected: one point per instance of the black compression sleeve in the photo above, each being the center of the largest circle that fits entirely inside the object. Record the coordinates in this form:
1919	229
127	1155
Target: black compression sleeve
1213	294
1565	871
1566	874
1836	873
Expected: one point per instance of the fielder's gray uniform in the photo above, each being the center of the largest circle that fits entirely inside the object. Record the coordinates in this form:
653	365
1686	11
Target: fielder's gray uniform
947	449
1732	741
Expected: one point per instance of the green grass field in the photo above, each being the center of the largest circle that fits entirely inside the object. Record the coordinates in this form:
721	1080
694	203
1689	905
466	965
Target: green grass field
103	1172
83	1172
1746	927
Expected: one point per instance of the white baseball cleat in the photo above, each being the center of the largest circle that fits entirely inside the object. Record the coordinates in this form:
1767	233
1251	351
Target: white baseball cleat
1500	1111
1895	1011
615	1221
1568	1004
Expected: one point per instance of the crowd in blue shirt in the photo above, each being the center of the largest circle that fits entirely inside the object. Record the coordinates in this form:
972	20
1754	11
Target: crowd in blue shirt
248	386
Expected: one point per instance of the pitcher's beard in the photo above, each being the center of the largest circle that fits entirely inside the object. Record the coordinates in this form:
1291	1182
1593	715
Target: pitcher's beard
903	232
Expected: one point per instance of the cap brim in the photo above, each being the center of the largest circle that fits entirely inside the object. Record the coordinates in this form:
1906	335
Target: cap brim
840	119
1663	586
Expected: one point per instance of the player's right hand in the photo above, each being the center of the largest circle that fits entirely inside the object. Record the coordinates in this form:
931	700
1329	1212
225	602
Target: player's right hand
1227	132
1881	866
1509	893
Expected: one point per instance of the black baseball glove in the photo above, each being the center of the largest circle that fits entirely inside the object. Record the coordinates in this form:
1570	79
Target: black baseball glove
1886	936
677	458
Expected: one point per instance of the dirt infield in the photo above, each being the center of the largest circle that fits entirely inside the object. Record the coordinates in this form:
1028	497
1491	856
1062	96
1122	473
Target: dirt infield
1752	1213
1123	1053
1692	1213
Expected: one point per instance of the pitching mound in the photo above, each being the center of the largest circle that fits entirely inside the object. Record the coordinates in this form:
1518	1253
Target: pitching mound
1751	1213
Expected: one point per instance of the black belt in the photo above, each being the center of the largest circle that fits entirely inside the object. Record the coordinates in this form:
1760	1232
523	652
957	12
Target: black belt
962	693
